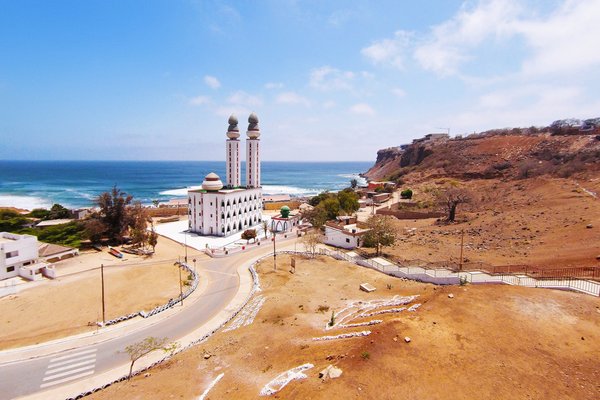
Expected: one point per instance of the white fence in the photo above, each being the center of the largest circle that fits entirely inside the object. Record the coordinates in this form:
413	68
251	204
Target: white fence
447	277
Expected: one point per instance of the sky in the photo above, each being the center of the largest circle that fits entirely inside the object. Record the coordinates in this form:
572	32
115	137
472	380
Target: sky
329	80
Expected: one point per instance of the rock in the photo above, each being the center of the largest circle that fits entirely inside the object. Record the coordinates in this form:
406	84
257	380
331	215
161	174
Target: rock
450	296
589	226
147	374
407	339
330	372
597	257
207	356
395	339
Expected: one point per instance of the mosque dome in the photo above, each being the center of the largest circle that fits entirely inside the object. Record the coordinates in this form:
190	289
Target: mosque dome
253	129
212	182
285	211
233	132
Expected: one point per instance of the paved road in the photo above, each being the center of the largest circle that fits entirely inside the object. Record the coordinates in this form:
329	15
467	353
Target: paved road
29	376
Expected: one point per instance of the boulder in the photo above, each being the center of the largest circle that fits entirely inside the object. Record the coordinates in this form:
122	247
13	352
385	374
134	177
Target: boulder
330	372
407	339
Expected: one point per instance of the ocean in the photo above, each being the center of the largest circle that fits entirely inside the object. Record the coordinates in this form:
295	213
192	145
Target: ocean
33	184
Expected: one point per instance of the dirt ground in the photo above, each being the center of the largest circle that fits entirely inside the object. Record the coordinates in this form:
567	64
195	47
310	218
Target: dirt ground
71	303
486	342
541	222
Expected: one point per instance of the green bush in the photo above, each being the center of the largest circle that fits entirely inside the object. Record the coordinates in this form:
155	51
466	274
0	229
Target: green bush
406	194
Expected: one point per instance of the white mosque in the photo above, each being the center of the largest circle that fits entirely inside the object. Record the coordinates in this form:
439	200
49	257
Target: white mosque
222	210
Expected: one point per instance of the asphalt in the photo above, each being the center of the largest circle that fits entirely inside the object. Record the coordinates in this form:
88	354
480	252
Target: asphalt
73	365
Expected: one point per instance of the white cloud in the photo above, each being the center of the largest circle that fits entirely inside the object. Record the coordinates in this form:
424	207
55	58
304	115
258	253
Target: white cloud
399	92
212	82
273	85
292	98
524	105
362	109
450	43
329	78
199	100
329	104
244	99
566	41
389	51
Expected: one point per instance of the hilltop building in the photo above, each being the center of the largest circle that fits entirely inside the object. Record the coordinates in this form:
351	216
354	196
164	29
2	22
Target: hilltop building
219	209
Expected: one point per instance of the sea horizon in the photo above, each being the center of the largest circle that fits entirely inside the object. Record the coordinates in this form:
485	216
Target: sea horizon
75	183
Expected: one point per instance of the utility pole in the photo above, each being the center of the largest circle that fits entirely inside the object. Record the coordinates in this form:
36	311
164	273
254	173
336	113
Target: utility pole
185	244
462	242
194	260
274	251
103	306
180	286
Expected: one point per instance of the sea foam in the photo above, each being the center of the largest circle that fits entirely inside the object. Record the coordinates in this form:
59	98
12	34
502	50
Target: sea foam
24	202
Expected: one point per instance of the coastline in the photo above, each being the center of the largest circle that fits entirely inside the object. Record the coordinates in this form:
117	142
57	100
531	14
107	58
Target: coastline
74	184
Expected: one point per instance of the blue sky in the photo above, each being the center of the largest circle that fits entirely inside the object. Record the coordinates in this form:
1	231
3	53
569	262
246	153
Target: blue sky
329	80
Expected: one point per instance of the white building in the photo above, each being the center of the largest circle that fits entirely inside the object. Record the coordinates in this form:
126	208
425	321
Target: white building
19	257
344	236
222	210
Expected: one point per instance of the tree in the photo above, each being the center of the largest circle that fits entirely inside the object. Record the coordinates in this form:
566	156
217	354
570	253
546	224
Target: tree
317	216
311	241
406	194
39	213
249	234
382	232
265	227
113	213
95	229
450	198
138	224
58	212
152	238
354	183
348	200
146	346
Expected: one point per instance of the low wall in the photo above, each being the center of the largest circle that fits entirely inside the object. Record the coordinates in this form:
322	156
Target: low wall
410	214
447	277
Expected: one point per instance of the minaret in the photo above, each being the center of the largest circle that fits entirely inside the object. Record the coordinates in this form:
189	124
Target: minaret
252	153
232	153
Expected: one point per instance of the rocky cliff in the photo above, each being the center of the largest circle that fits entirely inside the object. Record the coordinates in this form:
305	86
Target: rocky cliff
496	154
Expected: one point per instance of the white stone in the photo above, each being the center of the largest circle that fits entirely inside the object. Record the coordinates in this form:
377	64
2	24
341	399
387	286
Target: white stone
407	339
330	372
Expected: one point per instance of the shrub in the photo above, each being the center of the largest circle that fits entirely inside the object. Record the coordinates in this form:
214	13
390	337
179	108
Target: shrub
365	355
406	194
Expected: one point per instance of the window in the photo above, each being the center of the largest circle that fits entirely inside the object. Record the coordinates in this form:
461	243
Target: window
10	269
347	240
12	254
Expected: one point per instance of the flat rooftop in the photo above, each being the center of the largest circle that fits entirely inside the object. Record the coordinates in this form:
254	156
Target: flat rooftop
6	240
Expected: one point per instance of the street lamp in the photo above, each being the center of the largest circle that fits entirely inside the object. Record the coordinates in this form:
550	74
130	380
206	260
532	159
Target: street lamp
274	250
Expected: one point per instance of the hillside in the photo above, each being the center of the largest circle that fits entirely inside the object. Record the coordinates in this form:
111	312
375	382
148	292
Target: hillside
509	155
533	199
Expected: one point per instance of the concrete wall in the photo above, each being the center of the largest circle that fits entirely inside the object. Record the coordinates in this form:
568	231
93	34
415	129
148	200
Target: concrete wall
26	247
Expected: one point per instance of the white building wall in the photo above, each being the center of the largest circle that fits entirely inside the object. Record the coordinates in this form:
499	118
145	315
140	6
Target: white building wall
15	252
224	213
252	163
232	165
339	238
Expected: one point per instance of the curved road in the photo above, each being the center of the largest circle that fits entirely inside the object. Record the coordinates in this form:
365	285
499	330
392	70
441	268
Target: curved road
29	376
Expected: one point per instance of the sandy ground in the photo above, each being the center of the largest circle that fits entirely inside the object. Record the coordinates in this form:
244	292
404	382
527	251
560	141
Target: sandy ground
540	222
487	342
71	304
